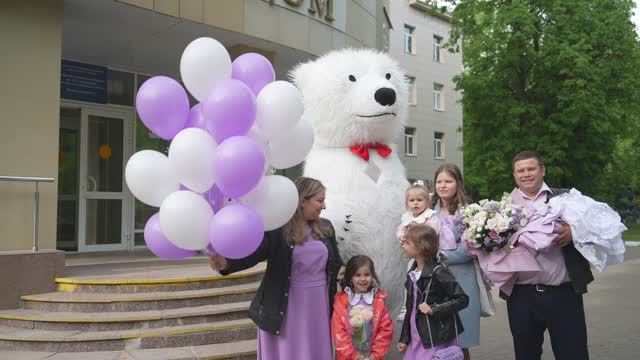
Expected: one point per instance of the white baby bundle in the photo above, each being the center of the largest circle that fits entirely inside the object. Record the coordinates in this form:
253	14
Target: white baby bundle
596	228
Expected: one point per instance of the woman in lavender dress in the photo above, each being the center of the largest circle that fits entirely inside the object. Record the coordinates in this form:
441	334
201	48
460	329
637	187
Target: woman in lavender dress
292	307
449	195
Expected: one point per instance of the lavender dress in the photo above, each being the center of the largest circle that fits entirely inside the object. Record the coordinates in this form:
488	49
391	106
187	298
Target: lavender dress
305	329
415	349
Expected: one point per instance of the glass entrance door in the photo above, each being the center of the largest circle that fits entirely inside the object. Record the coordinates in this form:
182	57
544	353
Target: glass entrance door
104	214
68	175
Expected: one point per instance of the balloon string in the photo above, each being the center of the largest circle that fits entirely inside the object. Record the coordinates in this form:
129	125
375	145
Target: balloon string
209	251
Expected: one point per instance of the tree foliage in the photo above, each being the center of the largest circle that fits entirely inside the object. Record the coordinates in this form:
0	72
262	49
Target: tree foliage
557	76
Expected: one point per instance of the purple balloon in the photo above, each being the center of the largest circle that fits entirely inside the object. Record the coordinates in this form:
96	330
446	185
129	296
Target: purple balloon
163	106
254	70
215	198
196	118
230	109
236	231
239	164
159	244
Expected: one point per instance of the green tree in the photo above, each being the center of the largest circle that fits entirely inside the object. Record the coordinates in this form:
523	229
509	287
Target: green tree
557	76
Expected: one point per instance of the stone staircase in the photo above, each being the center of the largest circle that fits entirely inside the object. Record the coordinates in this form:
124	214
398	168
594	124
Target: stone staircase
150	311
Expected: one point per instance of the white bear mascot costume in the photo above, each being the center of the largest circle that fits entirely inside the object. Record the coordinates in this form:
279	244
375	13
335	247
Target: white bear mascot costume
356	102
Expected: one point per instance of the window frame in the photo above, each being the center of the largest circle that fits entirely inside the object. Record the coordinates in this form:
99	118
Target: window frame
438	144
410	137
409	39
437	49
438	100
413	97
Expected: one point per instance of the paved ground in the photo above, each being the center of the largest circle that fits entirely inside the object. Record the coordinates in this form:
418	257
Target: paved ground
613	318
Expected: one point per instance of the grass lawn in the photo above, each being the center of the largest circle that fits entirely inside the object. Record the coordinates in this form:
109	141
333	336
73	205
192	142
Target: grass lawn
633	234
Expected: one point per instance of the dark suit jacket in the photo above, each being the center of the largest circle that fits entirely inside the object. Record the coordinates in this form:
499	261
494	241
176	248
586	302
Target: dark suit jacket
577	266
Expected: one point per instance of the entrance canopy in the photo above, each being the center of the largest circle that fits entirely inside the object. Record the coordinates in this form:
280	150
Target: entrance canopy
122	36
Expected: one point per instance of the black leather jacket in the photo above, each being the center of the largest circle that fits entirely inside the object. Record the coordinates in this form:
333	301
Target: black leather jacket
445	298
269	306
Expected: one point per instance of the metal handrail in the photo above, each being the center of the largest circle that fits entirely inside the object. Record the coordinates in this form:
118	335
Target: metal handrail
36	200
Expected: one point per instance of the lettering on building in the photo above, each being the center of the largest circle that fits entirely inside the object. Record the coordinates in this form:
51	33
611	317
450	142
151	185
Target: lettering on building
323	8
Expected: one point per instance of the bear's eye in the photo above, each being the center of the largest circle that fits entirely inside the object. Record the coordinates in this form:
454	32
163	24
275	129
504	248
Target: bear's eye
352	78
388	76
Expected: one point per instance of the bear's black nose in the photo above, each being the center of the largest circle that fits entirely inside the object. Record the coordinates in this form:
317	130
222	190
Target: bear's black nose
385	96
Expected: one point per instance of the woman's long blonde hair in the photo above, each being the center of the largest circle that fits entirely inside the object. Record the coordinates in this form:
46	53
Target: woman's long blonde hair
295	231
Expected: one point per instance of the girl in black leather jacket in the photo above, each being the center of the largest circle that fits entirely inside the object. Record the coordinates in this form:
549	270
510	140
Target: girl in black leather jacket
432	321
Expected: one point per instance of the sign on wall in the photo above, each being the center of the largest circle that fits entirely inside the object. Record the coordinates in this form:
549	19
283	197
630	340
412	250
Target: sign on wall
83	82
329	12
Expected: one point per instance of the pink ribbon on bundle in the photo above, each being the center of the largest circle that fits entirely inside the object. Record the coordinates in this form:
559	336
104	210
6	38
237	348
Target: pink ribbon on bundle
503	266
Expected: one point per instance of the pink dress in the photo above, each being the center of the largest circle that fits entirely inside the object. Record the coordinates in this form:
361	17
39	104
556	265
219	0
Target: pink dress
305	331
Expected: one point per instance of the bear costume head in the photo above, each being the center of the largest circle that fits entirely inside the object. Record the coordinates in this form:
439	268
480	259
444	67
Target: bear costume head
353	97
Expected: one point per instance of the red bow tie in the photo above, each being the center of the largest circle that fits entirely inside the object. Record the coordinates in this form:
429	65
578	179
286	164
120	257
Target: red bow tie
363	150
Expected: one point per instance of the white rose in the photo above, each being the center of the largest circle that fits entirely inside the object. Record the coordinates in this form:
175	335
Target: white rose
356	321
367	315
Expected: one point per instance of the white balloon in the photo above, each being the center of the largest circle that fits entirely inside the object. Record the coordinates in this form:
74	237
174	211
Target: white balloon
259	138
291	148
275	199
204	62
191	154
184	219
279	107
150	177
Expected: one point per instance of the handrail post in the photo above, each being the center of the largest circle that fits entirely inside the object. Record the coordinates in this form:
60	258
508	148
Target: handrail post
36	217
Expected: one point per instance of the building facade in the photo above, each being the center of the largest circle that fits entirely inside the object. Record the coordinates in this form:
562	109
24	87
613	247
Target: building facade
71	69
433	133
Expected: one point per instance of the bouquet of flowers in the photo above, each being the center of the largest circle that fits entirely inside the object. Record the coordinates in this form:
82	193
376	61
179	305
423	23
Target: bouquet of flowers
488	224
360	319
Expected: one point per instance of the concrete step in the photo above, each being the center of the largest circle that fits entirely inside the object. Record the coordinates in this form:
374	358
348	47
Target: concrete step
179	277
125	302
14	339
121	259
238	350
101	321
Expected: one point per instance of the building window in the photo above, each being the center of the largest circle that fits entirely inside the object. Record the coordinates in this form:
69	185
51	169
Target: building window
438	100
437	41
409	141
409	47
438	145
413	97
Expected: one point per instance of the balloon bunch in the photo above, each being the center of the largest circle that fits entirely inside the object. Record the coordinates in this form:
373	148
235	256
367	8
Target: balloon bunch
245	123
